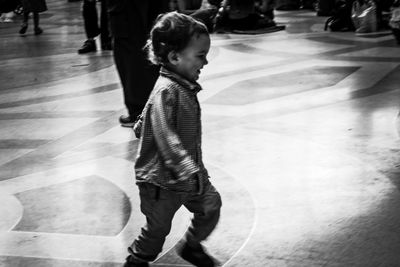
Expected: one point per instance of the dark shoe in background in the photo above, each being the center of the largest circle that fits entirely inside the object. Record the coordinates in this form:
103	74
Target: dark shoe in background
87	47
129	262
127	121
195	255
23	29
38	31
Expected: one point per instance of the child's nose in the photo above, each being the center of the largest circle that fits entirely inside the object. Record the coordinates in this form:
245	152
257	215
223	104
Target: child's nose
205	61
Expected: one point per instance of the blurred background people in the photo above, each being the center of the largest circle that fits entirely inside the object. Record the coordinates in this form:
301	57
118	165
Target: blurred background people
35	7
246	14
394	22
7	8
198	9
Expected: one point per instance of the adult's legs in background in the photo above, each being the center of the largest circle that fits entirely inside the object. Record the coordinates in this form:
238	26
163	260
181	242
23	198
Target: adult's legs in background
104	27
90	18
137	76
89	13
130	24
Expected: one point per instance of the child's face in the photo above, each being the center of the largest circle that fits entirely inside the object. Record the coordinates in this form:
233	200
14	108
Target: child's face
192	59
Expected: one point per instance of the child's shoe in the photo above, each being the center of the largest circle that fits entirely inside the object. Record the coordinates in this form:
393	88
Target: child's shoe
38	30
23	29
195	255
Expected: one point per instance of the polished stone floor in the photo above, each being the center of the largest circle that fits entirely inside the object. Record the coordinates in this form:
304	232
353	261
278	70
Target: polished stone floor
300	138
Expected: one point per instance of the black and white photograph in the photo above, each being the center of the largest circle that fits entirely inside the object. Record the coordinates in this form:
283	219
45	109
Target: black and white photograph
179	133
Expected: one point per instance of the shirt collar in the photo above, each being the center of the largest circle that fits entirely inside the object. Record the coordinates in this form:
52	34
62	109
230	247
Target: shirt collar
193	86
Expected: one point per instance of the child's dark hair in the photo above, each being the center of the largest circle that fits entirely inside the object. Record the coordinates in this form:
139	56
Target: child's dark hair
171	32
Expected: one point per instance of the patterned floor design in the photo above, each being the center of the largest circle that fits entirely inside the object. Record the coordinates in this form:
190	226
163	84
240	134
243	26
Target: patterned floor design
301	138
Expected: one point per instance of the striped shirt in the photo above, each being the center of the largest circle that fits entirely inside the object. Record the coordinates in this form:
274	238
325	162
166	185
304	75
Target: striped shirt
169	152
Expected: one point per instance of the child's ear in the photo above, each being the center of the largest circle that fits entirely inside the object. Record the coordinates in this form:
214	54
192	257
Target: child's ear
173	57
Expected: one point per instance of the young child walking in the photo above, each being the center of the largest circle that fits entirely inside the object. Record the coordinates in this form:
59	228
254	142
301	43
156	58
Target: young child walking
169	167
36	7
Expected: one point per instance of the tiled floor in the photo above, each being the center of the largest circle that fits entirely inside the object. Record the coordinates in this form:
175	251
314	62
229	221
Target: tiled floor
301	137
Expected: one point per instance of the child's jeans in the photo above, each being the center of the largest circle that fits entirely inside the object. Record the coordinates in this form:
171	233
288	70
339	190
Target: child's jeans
160	205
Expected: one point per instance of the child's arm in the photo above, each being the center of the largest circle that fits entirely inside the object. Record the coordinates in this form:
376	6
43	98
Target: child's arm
176	157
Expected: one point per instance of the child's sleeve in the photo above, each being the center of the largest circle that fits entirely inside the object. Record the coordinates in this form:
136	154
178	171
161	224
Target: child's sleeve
176	157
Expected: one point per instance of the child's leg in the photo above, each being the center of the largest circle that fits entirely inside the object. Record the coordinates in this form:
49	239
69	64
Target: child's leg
36	19
159	206
206	209
37	29
24	25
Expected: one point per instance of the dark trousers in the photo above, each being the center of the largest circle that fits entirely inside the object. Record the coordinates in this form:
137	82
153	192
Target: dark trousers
90	19
136	73
35	18
396	33
159	206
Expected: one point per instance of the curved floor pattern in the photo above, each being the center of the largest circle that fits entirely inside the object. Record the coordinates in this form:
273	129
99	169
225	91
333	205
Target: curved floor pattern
301	138
86	213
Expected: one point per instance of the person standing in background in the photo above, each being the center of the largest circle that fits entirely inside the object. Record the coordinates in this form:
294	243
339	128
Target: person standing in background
92	29
394	22
130	24
246	15
36	7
